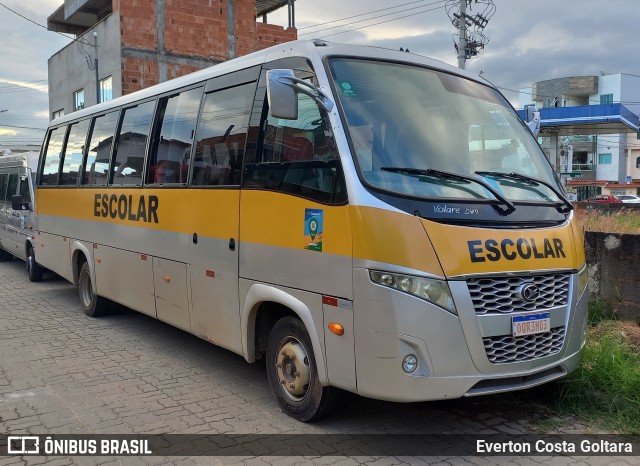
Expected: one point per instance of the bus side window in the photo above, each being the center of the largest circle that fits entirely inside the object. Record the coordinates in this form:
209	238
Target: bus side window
51	164
74	153
3	187
221	136
173	137
131	144
299	157
96	166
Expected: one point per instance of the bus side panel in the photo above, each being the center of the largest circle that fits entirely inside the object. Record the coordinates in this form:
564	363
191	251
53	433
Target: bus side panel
213	274
125	277
170	281
53	253
275	249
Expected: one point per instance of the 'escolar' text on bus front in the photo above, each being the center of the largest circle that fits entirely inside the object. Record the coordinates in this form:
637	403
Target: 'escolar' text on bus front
142	209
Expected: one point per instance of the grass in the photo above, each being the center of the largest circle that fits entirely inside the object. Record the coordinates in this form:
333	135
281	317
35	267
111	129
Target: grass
603	394
623	221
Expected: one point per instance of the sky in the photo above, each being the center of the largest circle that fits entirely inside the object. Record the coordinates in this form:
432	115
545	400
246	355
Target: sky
529	41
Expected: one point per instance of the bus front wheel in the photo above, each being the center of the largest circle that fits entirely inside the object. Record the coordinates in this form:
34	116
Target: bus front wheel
293	375
33	269
92	304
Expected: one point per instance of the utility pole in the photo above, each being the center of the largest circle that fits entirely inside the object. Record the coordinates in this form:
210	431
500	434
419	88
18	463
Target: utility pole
95	65
471	39
462	35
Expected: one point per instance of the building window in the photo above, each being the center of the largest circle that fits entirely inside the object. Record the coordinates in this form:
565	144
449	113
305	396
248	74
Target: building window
106	89
57	114
606	99
638	162
604	159
78	100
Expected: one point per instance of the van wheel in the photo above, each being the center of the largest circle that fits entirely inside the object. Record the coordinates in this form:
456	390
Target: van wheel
92	304
33	269
293	375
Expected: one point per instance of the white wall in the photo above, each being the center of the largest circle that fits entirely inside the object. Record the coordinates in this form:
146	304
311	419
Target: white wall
69	72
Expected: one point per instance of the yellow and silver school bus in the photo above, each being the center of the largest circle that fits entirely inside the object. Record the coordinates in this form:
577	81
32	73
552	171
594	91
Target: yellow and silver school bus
363	219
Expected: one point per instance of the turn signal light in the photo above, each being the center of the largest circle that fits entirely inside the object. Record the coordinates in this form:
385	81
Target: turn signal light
336	329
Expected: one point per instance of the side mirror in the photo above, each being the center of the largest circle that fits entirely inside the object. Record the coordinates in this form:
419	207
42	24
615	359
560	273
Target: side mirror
532	119
283	101
282	87
18	204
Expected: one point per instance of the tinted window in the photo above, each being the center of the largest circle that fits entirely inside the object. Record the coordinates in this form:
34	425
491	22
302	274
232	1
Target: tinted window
12	186
169	161
222	132
52	156
73	153
96	168
300	157
131	144
3	187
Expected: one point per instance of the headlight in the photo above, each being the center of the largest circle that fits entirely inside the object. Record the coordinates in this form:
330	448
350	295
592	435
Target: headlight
434	291
583	278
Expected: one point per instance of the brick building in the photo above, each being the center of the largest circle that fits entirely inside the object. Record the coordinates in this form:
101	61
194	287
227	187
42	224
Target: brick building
144	42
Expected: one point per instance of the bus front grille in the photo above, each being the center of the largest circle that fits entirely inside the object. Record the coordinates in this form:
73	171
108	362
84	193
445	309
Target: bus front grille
506	349
500	295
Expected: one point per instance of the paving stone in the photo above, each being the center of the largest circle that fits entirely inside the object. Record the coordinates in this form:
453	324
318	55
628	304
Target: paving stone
63	372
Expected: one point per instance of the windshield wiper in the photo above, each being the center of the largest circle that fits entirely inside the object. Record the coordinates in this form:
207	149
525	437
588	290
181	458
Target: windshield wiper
530	180
510	208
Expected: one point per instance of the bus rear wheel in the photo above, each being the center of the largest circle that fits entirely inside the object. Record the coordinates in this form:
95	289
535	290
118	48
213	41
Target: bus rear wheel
293	375
92	304
33	269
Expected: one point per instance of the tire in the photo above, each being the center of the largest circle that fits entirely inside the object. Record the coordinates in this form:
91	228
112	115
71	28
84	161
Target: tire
290	359
33	269
92	304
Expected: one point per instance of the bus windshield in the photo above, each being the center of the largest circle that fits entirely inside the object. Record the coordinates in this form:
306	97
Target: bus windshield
405	122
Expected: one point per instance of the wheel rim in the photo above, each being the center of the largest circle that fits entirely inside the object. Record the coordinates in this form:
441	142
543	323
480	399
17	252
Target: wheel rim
86	294
292	368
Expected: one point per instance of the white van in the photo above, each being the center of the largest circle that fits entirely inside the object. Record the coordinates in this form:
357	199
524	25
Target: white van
17	218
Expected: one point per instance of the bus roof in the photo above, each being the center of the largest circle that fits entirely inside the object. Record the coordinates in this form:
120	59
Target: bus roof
307	48
24	159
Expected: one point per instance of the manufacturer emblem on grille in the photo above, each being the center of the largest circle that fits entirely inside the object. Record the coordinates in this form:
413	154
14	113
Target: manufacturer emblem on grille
528	291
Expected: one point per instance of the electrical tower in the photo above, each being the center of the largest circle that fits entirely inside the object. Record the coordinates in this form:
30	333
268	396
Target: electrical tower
470	38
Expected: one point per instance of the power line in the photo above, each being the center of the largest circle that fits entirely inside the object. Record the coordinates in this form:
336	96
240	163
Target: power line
21	84
42	26
22	127
27	89
376	24
365	14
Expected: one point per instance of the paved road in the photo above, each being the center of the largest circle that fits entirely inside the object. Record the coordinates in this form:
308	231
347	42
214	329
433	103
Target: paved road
62	372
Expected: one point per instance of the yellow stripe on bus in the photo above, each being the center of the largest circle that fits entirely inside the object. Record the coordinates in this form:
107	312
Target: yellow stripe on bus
205	211
393	238
277	219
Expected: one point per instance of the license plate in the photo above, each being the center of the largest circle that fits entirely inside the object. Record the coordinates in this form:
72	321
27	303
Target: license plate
531	324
